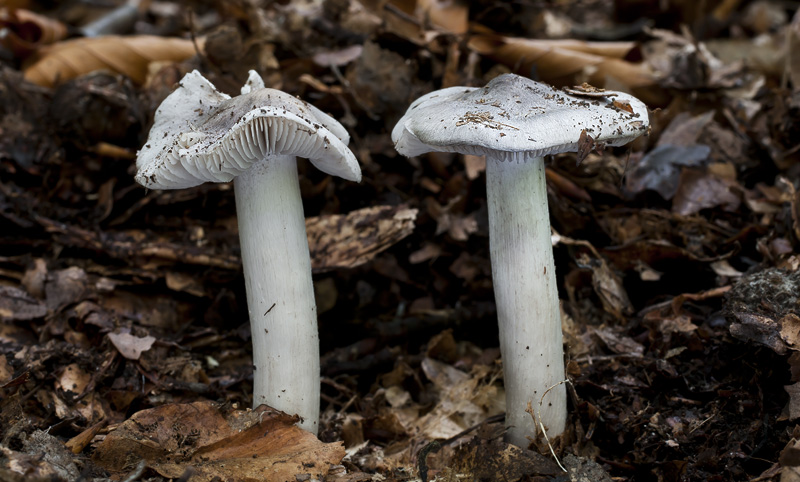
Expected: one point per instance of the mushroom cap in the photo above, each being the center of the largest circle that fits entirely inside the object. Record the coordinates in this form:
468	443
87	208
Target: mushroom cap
202	135
513	117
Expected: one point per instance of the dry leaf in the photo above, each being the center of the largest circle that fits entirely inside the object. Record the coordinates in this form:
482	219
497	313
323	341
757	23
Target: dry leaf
608	286
349	240
700	189
793	407
684	130
65	287
660	169
241	445
474	165
16	304
79	442
565	61
184	282
6	371
129	56
465	399
618	343
586	144
26	31
130	346
35	277
452	16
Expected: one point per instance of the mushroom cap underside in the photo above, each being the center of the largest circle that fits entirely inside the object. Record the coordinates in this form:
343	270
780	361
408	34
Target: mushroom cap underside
513	116
200	135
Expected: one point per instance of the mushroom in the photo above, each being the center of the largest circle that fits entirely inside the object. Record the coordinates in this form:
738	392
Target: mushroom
514	122
201	135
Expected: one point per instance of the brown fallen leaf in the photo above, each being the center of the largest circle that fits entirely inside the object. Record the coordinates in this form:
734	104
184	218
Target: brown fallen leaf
700	189
586	144
79	442
66	286
128	55
684	130
564	61
605	281
240	445
16	304
26	31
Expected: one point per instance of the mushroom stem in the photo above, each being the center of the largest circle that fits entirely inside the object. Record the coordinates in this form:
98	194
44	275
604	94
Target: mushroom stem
280	293
525	290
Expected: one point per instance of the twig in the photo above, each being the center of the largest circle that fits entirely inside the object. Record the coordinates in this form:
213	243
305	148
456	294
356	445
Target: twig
422	459
538	419
137	472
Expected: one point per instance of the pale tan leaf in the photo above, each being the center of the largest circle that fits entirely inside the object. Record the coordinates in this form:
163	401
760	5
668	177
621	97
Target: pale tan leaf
129	56
131	346
560	61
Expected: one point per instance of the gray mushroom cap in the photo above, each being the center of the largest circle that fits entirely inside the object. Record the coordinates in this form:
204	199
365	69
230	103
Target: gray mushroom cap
513	117
202	135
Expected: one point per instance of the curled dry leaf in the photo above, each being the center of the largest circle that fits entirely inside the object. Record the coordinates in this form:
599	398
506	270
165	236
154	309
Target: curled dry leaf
564	61
261	444
27	31
125	55
349	240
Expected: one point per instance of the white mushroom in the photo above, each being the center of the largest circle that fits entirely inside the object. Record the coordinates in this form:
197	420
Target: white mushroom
201	135
514	122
